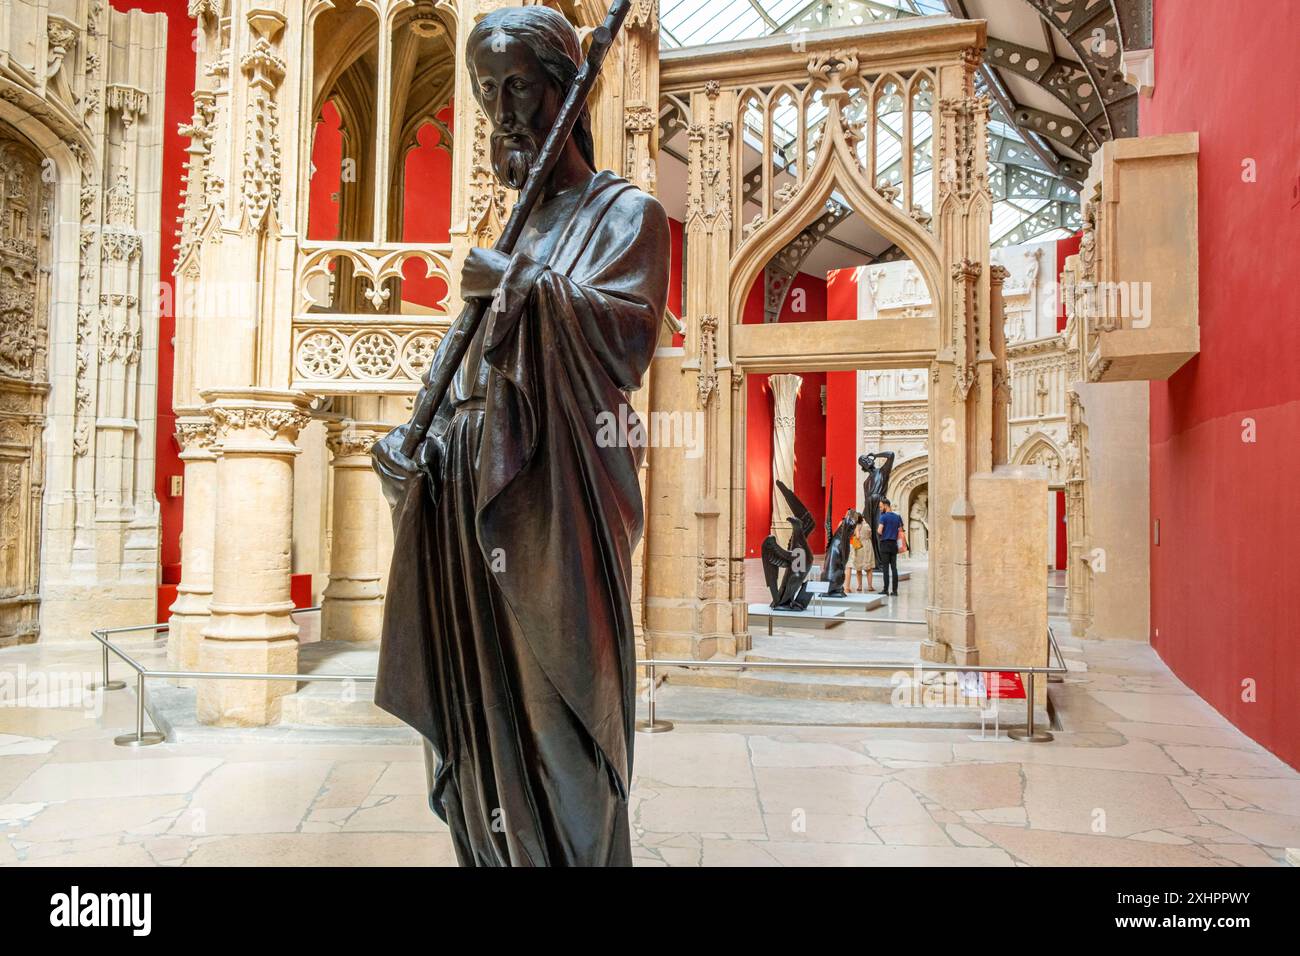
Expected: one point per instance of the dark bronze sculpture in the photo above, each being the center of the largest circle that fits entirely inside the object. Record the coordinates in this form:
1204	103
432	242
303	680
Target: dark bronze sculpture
835	568
789	593
508	633
874	488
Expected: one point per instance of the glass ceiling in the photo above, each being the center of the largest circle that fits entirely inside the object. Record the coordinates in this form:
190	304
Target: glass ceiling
1020	212
698	22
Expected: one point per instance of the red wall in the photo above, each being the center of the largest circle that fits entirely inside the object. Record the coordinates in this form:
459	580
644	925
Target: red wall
842	400
1062	540
426	209
1222	584
177	106
810	425
677	236
326	175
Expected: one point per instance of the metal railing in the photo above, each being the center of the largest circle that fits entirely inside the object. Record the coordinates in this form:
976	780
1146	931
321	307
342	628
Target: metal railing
143	738
1031	732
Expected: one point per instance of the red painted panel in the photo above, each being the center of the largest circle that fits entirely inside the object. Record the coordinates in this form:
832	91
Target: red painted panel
758	463
1062	545
676	290
178	107
806	302
1221	584
300	590
809	447
675	266
166	598
326	175
426	209
842	399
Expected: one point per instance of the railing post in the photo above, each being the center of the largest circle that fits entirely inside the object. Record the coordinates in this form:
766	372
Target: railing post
652	725
1051	641
141	737
106	684
1030	734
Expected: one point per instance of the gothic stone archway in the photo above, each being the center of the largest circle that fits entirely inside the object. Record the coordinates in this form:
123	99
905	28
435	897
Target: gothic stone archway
696	518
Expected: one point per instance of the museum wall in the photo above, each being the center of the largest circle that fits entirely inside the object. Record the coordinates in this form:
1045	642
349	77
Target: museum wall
1118	462
1223	454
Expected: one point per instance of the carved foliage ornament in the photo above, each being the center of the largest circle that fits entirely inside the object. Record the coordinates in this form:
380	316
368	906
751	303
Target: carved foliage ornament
196	435
261	174
708	186
961	170
487	197
277	422
707	383
350	443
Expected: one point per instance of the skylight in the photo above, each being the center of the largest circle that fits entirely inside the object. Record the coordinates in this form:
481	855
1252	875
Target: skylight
1015	217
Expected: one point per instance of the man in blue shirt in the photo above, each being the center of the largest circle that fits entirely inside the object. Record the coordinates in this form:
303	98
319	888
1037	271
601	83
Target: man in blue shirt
888	529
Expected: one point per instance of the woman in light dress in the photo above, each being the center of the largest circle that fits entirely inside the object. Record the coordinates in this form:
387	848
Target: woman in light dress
861	556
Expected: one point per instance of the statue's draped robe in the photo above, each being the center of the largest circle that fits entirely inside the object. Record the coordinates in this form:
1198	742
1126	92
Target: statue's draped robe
508	634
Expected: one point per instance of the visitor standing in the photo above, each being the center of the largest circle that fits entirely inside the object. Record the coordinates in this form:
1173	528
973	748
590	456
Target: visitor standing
862	557
889	529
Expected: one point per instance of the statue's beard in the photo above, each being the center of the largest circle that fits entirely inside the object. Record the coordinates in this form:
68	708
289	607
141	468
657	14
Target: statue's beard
513	154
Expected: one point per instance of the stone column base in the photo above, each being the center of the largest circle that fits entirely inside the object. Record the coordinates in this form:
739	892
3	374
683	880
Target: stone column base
189	616
251	629
245	703
350	617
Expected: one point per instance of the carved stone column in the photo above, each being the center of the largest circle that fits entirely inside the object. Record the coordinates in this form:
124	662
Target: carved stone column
251	628
196	434
353	604
1078	574
640	81
785	394
691	607
962	376
1001	377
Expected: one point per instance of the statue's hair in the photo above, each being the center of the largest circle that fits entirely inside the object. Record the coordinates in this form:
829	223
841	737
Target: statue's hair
554	41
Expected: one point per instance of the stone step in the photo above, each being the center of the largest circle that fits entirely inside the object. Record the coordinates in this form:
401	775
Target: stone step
331	705
834	683
817	686
878	628
706	705
334	703
809	647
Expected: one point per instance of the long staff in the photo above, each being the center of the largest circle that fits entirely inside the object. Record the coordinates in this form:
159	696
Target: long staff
466	325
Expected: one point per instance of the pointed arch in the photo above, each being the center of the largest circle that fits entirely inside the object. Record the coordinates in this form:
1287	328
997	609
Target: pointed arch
835	169
1040	449
908	476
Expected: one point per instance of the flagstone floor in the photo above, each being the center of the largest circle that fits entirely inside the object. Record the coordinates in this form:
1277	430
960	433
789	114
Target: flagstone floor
1143	773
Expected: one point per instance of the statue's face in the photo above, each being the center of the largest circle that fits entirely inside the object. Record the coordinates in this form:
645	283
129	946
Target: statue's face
519	99
867	462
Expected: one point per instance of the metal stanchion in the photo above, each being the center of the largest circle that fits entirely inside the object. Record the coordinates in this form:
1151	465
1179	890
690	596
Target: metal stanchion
652	725
1051	641
1030	733
107	684
141	737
